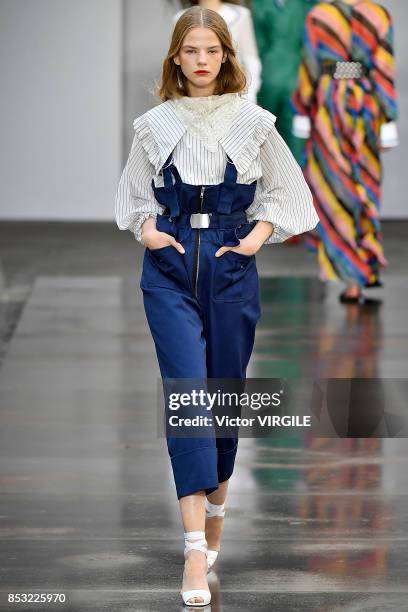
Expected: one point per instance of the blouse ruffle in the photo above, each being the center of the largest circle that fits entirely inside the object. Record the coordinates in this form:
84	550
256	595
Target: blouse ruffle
144	132
251	148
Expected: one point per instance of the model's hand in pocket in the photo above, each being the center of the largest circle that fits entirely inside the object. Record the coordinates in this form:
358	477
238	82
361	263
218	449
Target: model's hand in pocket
247	246
252	242
153	239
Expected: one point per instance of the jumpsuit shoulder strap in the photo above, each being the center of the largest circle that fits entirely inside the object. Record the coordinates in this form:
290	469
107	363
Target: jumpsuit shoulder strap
168	162
228	187
231	173
169	169
167	195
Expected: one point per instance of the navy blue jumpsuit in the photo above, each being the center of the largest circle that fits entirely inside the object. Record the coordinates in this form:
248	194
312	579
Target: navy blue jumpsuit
202	310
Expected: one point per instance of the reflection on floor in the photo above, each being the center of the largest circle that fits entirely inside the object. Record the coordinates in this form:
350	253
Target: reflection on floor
88	506
86	509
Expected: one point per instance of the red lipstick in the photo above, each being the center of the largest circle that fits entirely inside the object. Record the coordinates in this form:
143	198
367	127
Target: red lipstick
201	72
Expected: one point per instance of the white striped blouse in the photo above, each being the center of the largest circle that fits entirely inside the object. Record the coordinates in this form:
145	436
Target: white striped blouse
251	140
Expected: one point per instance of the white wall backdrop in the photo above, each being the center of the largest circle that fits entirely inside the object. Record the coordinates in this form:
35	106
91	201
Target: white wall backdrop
395	161
146	37
60	108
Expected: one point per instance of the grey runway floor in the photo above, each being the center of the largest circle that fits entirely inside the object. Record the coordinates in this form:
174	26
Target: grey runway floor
88	506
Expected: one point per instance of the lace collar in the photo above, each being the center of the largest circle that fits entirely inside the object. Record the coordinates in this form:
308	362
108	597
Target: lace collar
160	130
208	117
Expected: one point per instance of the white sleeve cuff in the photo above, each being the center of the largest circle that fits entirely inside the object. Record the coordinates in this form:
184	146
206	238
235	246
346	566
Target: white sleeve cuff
389	135
301	126
136	226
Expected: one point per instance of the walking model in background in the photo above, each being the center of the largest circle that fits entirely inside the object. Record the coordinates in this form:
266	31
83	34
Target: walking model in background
239	21
347	109
279	26
208	181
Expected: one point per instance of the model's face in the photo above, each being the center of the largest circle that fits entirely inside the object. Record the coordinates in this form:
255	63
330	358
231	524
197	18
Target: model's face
200	58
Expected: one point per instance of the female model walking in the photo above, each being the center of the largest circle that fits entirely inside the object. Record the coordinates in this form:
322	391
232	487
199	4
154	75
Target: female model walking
346	103
208	181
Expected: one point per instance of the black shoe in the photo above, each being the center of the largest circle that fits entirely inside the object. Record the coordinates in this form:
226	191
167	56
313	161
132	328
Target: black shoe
361	300
377	283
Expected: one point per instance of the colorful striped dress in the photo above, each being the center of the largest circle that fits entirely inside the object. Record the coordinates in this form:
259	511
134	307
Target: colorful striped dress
342	156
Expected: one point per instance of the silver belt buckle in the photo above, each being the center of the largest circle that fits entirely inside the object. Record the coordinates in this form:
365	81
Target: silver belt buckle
200	220
348	70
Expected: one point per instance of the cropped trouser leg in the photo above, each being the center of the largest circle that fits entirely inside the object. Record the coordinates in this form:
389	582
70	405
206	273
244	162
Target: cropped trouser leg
177	330
230	333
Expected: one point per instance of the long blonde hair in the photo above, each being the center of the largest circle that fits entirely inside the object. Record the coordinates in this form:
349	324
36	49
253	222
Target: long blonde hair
231	78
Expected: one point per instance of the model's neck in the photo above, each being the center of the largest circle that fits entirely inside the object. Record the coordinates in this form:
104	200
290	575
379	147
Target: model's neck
198	92
214	5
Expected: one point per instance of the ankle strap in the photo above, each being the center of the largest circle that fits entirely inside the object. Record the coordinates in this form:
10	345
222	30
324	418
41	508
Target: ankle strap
214	509
200	542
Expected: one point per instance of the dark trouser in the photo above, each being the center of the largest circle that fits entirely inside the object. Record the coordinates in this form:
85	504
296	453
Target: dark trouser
207	335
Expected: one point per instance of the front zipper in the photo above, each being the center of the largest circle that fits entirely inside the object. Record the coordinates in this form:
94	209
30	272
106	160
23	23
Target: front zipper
197	247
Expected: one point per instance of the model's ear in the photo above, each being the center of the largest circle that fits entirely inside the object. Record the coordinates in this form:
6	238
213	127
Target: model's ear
224	58
176	60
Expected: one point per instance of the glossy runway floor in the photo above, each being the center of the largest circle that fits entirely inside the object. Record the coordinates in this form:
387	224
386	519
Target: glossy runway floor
88	506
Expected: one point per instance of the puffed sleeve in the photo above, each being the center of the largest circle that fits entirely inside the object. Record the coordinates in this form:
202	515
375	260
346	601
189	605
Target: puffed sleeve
383	70
135	201
383	78
282	195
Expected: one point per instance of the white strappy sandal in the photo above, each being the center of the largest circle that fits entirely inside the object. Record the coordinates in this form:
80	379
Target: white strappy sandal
195	540
210	511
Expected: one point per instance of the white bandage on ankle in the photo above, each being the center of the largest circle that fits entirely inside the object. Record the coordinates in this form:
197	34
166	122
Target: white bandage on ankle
214	509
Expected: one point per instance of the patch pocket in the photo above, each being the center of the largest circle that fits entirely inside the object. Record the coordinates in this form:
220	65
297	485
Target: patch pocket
163	267
235	277
244	229
163	224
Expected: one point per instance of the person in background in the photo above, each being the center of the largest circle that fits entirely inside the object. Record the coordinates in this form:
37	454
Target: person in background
279	26
239	21
346	105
